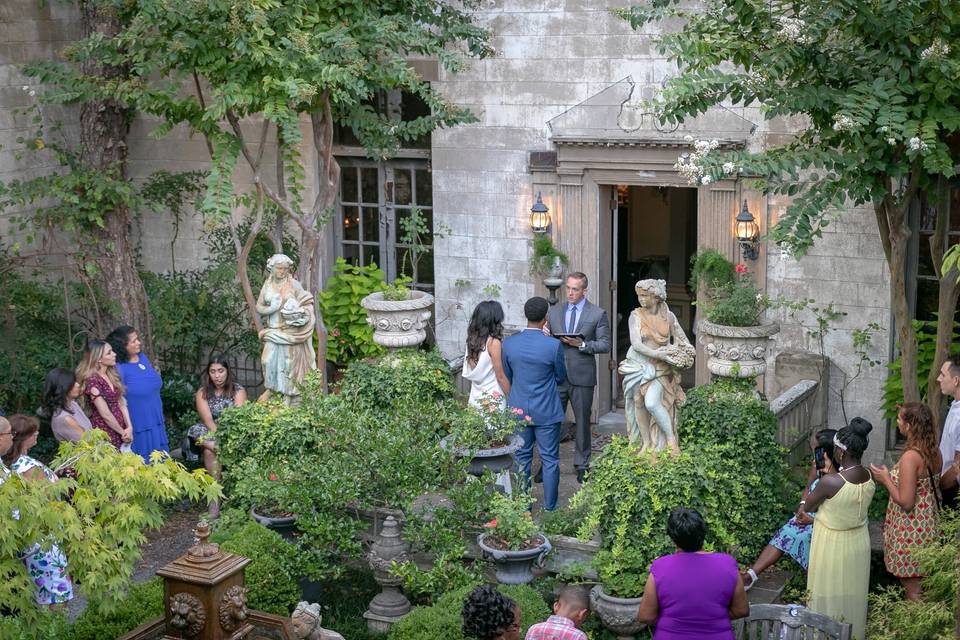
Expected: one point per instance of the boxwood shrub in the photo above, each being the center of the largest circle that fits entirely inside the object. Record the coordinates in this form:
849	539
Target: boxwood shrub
730	469
271	576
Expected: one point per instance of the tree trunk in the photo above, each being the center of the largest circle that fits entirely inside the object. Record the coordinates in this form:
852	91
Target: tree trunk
103	130
892	219
948	294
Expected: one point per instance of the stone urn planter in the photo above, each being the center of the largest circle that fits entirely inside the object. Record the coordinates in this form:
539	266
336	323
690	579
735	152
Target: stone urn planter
495	459
618	615
286	526
514	567
736	352
398	323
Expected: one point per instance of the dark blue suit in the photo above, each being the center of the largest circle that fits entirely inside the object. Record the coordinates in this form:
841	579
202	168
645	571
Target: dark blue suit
534	365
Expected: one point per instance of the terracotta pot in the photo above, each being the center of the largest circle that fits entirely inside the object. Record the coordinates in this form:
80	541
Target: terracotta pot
398	323
495	459
514	567
618	615
736	352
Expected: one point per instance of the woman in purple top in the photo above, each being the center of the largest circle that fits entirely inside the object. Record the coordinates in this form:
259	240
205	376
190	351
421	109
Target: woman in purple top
692	594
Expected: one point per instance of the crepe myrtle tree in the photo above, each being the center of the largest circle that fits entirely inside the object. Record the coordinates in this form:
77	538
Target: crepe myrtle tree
876	84
242	74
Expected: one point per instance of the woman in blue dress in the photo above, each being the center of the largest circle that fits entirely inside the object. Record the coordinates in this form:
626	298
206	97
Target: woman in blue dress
793	538
143	384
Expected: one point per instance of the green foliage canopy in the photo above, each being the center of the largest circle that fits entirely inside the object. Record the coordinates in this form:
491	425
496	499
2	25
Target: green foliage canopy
875	82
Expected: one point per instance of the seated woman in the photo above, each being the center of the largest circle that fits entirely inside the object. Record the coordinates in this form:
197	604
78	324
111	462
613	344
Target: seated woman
793	538
218	392
60	395
490	615
47	569
692	594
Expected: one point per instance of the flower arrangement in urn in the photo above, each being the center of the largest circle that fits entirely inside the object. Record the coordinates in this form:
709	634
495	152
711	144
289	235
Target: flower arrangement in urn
487	434
512	539
733	298
733	333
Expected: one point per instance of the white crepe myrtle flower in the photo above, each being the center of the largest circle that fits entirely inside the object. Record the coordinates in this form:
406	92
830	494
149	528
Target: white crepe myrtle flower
25	87
705	180
891	141
794	30
33	93
729	167
937	49
701	146
842	122
916	144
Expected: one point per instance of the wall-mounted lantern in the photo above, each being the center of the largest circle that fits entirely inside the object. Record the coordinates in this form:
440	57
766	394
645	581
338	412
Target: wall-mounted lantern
747	233
539	216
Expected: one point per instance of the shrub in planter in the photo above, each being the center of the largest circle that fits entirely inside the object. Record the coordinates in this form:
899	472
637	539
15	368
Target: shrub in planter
444	619
401	377
730	469
271	576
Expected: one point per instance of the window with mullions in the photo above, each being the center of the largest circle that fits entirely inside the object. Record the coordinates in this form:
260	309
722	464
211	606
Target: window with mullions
927	285
376	202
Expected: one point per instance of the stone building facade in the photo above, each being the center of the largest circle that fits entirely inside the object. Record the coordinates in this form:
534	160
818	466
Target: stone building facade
557	116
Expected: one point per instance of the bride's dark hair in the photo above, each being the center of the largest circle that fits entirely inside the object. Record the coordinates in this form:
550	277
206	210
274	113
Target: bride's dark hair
486	322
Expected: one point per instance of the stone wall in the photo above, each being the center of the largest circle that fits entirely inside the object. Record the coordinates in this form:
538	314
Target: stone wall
29	30
551	55
845	267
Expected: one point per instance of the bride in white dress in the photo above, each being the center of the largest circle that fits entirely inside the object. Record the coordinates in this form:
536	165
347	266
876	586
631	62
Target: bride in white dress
482	365
481	362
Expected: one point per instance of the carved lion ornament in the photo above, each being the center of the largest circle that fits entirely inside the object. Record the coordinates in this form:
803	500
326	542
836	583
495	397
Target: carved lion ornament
187	614
233	608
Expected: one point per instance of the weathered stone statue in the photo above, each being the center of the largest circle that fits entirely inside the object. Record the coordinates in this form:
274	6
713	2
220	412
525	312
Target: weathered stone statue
651	384
287	336
306	624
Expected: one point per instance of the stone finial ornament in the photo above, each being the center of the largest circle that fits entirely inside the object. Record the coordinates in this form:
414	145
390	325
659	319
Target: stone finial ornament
388	606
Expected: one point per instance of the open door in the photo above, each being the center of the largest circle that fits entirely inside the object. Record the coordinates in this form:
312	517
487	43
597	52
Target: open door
607	383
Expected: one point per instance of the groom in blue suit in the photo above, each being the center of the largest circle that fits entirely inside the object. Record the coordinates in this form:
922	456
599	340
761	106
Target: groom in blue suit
533	363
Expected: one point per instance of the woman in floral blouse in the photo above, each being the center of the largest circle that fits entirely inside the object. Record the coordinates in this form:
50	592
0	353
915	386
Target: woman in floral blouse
47	569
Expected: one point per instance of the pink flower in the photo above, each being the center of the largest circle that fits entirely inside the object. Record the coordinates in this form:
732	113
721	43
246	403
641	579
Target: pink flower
496	395
742	269
491	524
273	476
492	408
528	418
517	411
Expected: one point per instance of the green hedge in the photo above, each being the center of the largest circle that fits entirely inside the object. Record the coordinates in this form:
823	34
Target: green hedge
730	469
444	619
271	576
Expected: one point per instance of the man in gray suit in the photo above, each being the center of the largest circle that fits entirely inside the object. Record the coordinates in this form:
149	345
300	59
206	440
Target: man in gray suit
579	316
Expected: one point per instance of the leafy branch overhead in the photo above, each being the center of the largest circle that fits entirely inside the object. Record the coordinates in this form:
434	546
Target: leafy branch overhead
875	82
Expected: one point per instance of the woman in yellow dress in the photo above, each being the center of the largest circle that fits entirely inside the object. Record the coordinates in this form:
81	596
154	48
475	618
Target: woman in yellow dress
839	574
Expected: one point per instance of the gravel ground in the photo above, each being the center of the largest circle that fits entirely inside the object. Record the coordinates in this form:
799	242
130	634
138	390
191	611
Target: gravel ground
163	545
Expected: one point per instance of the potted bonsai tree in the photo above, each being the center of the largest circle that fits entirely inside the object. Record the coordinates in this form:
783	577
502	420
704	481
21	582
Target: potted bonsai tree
487	436
733	333
512	540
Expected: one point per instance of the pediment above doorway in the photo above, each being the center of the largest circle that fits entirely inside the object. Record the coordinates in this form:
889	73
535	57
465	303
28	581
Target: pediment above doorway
614	117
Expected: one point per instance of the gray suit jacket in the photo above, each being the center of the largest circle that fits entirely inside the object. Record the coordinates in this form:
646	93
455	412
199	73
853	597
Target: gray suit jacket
595	327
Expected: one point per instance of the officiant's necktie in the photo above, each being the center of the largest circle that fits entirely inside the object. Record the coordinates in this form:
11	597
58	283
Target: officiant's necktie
572	327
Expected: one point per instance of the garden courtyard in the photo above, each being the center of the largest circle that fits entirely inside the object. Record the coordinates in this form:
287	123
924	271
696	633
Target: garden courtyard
426	320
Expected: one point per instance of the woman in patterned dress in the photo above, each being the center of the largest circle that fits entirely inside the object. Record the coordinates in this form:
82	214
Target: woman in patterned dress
47	569
793	538
218	392
104	390
913	511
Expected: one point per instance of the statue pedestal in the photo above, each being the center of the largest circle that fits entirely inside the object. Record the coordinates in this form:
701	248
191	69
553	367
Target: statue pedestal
390	605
